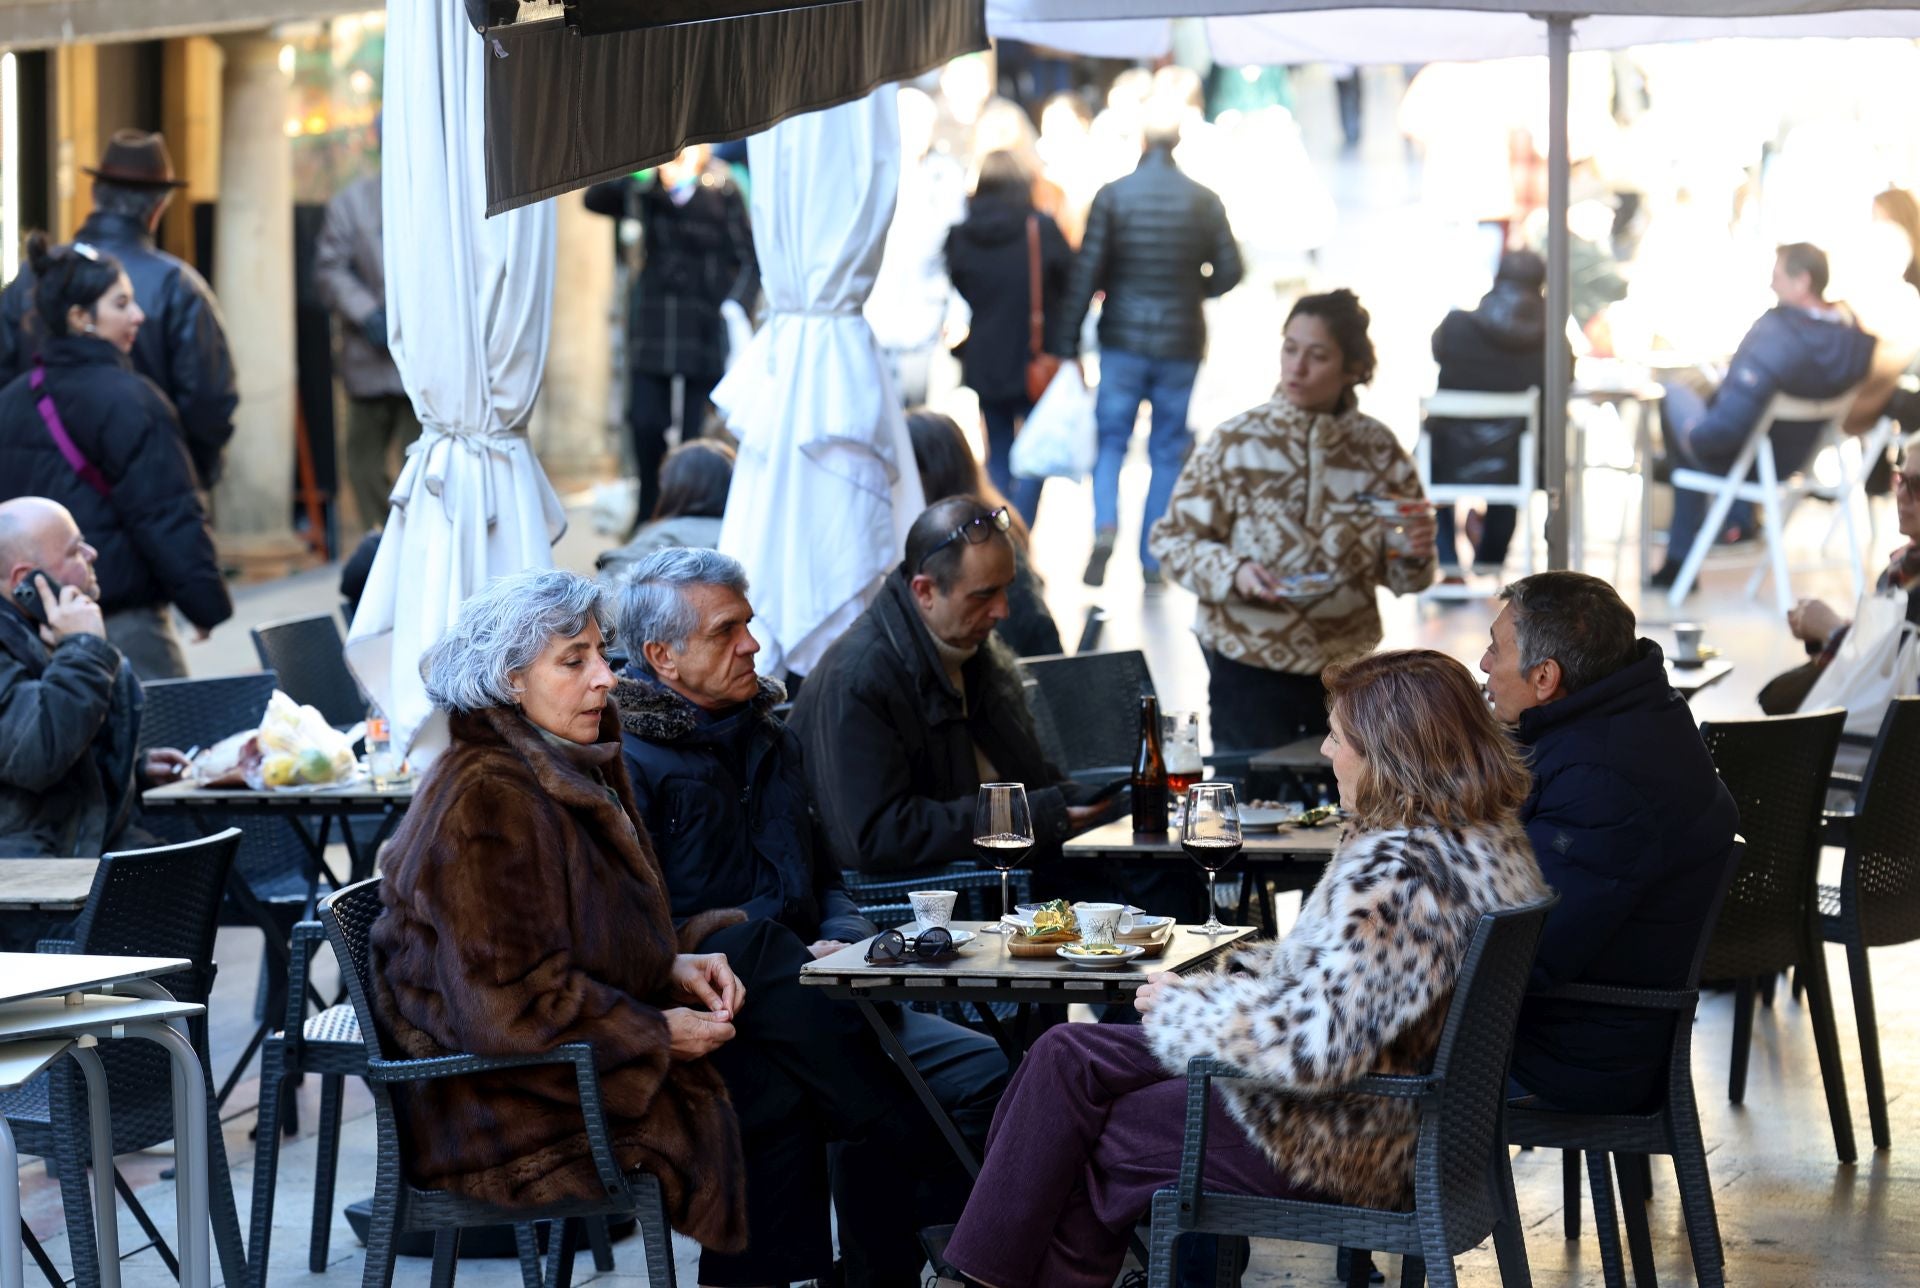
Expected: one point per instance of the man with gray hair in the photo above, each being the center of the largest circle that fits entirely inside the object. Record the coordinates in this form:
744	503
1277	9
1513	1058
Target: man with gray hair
183	346
1629	820
718	779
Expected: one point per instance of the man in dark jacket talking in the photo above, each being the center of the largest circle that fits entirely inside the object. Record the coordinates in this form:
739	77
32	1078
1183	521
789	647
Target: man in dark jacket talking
718	779
1629	820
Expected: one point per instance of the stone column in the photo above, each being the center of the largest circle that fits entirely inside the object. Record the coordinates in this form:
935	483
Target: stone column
253	278
570	420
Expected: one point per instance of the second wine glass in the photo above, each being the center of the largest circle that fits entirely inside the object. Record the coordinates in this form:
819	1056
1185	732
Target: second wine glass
1210	834
1002	834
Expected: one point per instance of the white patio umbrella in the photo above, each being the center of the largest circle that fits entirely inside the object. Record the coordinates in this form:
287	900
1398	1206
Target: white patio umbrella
1394	31
825	486
469	305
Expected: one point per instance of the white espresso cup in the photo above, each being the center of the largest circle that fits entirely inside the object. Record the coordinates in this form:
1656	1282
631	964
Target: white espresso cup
932	907
1686	641
1099	923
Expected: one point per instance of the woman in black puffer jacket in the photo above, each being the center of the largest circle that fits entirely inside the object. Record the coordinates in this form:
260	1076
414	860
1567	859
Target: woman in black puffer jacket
122	469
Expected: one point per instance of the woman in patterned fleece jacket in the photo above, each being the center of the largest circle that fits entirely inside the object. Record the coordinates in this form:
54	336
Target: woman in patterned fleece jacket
1091	1124
1281	490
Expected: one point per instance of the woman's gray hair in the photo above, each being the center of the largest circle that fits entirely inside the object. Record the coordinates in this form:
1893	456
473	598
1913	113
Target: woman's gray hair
502	628
653	605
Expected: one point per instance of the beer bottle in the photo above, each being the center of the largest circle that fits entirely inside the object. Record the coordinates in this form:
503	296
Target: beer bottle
1149	772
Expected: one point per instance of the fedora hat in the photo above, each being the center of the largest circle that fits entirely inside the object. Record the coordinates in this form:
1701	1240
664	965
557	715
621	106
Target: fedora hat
136	157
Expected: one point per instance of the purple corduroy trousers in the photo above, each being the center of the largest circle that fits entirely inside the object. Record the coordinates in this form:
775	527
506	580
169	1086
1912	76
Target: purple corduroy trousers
1090	1127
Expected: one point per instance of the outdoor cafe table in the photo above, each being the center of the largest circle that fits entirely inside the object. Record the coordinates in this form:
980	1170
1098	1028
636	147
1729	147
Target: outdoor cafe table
45	885
212	807
76	1000
983	973
1292	858
1689	680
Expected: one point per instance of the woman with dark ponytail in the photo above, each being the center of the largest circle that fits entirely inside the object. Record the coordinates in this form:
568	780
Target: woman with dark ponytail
81	428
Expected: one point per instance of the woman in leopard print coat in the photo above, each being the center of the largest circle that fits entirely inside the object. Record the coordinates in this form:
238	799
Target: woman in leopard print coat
1092	1123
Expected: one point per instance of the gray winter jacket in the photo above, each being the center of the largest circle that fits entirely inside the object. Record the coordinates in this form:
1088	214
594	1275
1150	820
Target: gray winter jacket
1151	239
69	725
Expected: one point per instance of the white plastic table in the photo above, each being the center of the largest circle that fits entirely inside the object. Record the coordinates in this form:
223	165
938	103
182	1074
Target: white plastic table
20	1063
73	1002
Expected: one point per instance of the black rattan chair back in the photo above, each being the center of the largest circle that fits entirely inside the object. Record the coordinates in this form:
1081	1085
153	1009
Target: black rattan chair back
1095	701
1776	769
348	915
1462	1130
162	902
1883	840
310	658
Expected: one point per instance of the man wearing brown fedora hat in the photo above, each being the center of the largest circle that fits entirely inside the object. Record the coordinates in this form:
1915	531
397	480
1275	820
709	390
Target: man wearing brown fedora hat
183	345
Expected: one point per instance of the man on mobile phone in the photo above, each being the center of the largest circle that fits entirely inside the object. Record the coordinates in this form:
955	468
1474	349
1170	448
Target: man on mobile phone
69	705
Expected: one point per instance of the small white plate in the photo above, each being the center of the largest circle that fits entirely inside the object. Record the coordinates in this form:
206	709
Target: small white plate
961	938
1254	818
1098	961
1145	927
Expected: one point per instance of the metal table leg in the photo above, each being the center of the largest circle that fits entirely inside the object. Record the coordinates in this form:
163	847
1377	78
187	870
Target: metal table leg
890	1043
190	1143
12	1246
106	1213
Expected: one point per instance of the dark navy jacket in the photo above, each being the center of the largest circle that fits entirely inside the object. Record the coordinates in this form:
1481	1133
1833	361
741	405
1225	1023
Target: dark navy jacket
726	806
1633	827
1787	351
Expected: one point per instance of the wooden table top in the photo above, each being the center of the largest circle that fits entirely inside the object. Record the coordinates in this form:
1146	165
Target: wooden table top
986	962
21	1062
45	885
25	975
54	1017
361	795
1689	680
1285	842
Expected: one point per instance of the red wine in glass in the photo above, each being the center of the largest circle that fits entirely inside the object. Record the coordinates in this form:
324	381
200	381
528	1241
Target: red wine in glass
1210	834
1002	835
1212	854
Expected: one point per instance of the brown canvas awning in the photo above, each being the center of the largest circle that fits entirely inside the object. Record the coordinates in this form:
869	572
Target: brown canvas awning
566	109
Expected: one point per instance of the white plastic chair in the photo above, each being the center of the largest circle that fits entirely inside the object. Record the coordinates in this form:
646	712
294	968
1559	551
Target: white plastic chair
1780	497
1858	454
1466	404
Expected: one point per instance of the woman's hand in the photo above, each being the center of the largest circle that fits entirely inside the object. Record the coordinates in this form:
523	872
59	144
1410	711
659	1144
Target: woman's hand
1255	583
1150	994
692	1034
705	979
1421	531
1813	620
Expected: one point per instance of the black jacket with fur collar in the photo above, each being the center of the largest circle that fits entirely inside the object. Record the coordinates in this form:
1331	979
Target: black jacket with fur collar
731	821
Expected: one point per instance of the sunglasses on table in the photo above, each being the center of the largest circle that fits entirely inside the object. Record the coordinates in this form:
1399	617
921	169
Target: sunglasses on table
973	532
890	947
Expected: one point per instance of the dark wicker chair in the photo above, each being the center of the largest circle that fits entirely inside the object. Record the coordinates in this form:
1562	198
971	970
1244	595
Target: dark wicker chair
275	883
330	1044
1777	768
1095	701
310	658
1877	903
348	916
144	903
1463	1184
883	901
1672	1128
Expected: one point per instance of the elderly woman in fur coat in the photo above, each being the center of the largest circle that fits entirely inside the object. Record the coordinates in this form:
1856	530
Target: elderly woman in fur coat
1092	1123
525	909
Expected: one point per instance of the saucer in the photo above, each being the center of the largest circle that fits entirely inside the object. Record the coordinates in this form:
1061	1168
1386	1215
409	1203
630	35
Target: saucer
1098	961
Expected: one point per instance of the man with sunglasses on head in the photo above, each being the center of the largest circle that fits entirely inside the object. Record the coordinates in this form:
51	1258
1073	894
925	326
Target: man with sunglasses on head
918	704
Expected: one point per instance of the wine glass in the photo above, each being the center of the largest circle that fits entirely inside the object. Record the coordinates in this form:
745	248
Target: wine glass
1002	834
1210	834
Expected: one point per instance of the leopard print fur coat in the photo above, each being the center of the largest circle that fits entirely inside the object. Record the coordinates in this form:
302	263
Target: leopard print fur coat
1360	985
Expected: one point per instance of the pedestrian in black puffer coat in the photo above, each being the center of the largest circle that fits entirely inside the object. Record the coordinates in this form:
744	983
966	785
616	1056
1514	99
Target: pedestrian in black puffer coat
139	509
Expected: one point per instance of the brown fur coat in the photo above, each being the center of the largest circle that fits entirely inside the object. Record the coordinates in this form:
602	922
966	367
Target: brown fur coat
526	910
1360	985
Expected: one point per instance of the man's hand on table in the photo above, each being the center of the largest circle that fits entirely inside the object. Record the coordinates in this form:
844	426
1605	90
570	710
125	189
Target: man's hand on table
1148	995
162	765
824	948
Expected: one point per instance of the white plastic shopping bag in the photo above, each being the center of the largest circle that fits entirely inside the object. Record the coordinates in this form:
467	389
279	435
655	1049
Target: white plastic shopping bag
1878	661
1059	439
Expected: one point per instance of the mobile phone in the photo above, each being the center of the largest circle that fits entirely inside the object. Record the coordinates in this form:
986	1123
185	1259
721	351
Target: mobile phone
27	596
